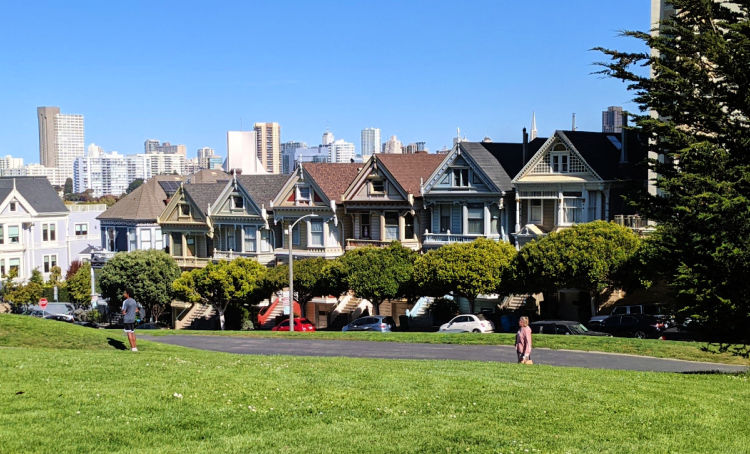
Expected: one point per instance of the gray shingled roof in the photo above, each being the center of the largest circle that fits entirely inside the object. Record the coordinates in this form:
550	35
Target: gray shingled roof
601	153
263	188
36	190
144	204
204	194
501	161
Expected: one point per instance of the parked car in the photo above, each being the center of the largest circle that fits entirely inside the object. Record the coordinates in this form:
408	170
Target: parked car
149	325
300	324
87	324
563	327
657	310
468	323
381	323
35	313
60	317
639	326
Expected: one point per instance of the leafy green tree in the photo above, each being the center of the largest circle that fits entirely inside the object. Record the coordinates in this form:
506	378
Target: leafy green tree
55	276
221	284
68	188
316	277
148	273
467	269
134	185
586	256
79	285
378	274
28	293
696	114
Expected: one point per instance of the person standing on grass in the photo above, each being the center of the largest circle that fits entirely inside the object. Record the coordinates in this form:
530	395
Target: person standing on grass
523	340
129	308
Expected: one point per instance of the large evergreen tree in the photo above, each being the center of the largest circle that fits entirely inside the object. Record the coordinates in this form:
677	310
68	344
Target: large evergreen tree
695	110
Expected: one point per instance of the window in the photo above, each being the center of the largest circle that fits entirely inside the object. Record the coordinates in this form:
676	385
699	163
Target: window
365	225
48	232
445	218
377	186
460	177
572	211
2	237
146	239
82	229
237	202
295	235
184	209
409	227
535	211
12	206
49	262
2	267
560	162
316	233
158	239
304	193
476	220
176	245
265	240
391	226
14	265
132	240
110	238
249	238
190	243
13	237
494	218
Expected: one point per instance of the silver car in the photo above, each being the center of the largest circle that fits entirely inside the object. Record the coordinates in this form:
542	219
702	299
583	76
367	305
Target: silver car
468	323
380	323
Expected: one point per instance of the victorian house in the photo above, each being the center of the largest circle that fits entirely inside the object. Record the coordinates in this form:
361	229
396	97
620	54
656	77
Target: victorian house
578	177
384	201
470	194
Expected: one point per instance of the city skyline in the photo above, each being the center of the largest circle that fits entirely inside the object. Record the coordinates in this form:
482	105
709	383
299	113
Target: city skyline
485	72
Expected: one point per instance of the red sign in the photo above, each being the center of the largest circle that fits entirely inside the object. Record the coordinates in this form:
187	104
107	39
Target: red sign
43	303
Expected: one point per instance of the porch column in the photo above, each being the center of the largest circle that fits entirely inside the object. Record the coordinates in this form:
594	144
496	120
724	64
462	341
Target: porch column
560	215
487	220
606	204
401	228
382	226
518	214
464	218
586	202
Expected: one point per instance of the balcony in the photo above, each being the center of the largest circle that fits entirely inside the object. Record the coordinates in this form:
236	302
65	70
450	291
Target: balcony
355	243
440	239
632	221
192	262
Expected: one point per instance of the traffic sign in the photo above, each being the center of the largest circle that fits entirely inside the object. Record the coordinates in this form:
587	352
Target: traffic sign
43	303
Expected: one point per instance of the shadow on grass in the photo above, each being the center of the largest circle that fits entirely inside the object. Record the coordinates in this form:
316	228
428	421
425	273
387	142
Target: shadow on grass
116	343
742	350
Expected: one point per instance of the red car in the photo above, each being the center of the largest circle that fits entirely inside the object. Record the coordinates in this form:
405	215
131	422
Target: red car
300	324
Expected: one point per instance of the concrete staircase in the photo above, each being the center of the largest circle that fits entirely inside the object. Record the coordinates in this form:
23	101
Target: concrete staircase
348	308
200	316
519	303
273	316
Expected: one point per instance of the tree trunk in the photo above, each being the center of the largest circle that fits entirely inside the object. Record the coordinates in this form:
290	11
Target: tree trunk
593	304
471	305
221	318
376	307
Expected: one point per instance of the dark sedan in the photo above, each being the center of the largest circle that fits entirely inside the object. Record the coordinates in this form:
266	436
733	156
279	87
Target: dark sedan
639	326
568	327
380	323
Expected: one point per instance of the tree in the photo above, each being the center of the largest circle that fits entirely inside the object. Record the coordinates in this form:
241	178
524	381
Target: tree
148	273
696	112
468	269
134	185
55	276
586	256
68	188
221	284
315	277
377	274
79	285
30	293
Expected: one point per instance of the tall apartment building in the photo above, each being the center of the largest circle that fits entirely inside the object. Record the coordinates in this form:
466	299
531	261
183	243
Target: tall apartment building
370	142
60	139
393	146
242	154
612	119
151	146
53	174
288	150
9	162
103	174
268	146
341	151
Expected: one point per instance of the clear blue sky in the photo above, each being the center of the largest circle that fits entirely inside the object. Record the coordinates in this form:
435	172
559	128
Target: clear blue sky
188	71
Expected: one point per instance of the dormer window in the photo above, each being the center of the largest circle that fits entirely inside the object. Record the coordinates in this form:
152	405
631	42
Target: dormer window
237	202
377	186
304	193
461	177
12	206
559	162
184	209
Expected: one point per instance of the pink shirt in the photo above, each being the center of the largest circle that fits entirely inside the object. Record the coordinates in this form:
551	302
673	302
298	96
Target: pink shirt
523	340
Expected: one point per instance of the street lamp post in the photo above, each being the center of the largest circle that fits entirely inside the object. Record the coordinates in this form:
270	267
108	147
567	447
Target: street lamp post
291	270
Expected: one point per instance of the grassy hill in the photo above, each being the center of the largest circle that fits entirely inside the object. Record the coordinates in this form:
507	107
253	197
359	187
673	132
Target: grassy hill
65	388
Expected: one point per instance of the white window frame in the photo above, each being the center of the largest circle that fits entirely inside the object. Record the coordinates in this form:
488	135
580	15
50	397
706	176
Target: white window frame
158	239
315	235
132	240
531	207
49	261
76	230
372	187
50	230
18	266
145	238
233	203
250	238
469	218
18	234
265	240
558	164
579	210
12	206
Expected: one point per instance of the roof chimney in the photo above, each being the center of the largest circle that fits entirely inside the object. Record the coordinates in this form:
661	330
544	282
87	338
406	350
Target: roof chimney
525	146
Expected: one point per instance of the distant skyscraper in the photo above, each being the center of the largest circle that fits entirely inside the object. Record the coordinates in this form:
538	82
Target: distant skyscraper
152	146
103	173
287	155
370	142
612	119
60	139
328	138
268	146
341	151
9	162
242	153
393	145
207	157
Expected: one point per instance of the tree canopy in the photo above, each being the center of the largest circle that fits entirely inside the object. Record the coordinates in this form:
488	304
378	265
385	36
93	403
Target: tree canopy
695	110
468	269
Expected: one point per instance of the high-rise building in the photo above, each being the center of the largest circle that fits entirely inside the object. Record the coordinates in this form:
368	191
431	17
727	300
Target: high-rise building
102	173
328	138
9	162
268	146
151	146
60	139
288	154
242	154
341	151
370	142
207	158
612	119
393	145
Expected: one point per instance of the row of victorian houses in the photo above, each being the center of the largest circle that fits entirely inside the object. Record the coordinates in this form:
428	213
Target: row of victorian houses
511	192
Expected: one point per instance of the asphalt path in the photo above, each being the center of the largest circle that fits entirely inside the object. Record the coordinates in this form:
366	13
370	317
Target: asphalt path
397	350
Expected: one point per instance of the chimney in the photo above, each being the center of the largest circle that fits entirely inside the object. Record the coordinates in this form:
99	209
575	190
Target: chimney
525	146
624	139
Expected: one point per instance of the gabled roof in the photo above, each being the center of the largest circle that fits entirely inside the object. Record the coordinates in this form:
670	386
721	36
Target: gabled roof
208	176
262	188
410	170
602	151
35	190
500	161
144	204
333	178
204	194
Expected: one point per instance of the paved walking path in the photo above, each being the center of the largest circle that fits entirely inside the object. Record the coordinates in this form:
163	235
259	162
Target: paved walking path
396	350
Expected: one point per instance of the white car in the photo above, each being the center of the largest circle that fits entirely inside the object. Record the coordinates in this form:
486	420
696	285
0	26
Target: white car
468	323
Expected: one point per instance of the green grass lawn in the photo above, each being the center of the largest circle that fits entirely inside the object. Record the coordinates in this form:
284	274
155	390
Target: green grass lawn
691	351
65	388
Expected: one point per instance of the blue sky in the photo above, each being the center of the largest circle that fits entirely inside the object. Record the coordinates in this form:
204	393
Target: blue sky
186	72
